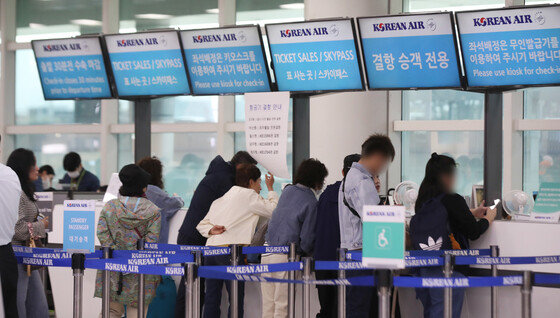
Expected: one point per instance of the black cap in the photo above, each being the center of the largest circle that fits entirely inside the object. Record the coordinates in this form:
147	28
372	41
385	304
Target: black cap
134	179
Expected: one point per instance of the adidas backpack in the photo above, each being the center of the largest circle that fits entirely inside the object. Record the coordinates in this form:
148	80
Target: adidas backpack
429	227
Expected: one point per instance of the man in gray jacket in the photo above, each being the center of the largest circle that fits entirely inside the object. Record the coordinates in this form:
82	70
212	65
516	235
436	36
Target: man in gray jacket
360	187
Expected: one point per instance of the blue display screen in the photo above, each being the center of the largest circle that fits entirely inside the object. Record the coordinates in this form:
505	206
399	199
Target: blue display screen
147	64
72	68
315	56
226	60
511	47
410	51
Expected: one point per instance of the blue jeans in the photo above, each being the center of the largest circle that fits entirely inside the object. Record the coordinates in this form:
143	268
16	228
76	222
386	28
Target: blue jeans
31	299
361	302
432	298
213	295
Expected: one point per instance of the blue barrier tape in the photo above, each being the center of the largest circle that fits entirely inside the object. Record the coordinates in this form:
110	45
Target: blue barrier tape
146	253
53	262
173	247
256	269
456	282
468	260
354	265
266	249
222	250
357	255
547	279
110	265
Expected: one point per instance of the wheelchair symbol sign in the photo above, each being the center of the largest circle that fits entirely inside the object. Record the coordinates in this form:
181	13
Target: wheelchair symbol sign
382	237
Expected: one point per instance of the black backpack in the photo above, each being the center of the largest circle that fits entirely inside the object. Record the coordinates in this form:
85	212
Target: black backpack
429	227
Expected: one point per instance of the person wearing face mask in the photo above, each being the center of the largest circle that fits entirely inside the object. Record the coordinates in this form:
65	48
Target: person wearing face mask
232	219
360	187
79	178
45	180
293	221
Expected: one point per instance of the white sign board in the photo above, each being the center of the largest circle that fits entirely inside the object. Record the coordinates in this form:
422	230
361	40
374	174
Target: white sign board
383	236
266	130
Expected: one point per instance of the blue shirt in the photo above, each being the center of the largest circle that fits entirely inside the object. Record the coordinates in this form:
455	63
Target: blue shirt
168	207
293	220
359	190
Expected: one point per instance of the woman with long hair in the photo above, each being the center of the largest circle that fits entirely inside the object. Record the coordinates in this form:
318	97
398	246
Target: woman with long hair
443	220
31	299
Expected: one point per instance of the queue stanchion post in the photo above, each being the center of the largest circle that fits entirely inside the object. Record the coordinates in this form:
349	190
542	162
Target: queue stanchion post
78	267
307	269
383	281
448	291
189	290
140	246
196	296
526	291
106	288
234	297
494	252
341	288
292	255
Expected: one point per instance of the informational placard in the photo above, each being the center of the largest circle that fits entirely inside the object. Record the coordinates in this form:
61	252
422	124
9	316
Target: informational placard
45	206
547	205
148	64
410	51
79	226
315	56
72	68
226	60
383	236
511	47
266	130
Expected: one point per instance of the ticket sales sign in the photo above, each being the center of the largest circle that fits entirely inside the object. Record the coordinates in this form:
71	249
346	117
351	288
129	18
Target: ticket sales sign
511	47
226	60
147	64
315	56
72	68
410	51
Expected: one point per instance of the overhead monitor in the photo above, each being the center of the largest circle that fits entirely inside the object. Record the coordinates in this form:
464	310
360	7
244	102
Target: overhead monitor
511	47
315	56
410	51
147	64
72	68
226	60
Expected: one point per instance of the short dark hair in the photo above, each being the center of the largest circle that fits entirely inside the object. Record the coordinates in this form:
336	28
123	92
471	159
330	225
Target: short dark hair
378	144
311	173
153	166
47	168
242	157
22	161
246	172
71	161
348	161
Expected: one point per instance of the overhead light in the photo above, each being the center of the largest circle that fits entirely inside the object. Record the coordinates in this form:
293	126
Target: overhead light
153	16
213	11
88	22
54	148
292	6
36	25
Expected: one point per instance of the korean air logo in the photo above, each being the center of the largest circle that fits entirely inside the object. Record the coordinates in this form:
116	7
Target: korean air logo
431	24
241	36
142	42
504	20
226	37
539	18
399	26
334	30
290	33
62	47
76	205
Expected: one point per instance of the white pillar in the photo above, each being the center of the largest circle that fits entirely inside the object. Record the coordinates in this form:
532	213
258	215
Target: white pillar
7	74
340	122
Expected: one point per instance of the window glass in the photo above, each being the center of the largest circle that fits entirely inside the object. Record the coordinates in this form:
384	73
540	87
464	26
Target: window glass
40	19
50	149
175	109
449	5
185	158
138	15
31	107
442	105
542	103
466	147
271	11
541	158
279	182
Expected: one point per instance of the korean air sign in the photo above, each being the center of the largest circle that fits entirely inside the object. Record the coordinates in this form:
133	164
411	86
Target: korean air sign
501	20
288	33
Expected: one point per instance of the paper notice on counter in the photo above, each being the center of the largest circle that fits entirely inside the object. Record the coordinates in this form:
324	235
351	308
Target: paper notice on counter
266	130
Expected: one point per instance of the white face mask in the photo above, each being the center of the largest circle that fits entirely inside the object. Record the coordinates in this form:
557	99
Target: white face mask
74	174
46	183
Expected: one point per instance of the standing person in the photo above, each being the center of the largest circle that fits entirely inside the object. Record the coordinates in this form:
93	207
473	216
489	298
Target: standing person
31	300
443	220
232	219
293	221
79	178
327	240
10	192
123	221
360	187
219	178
